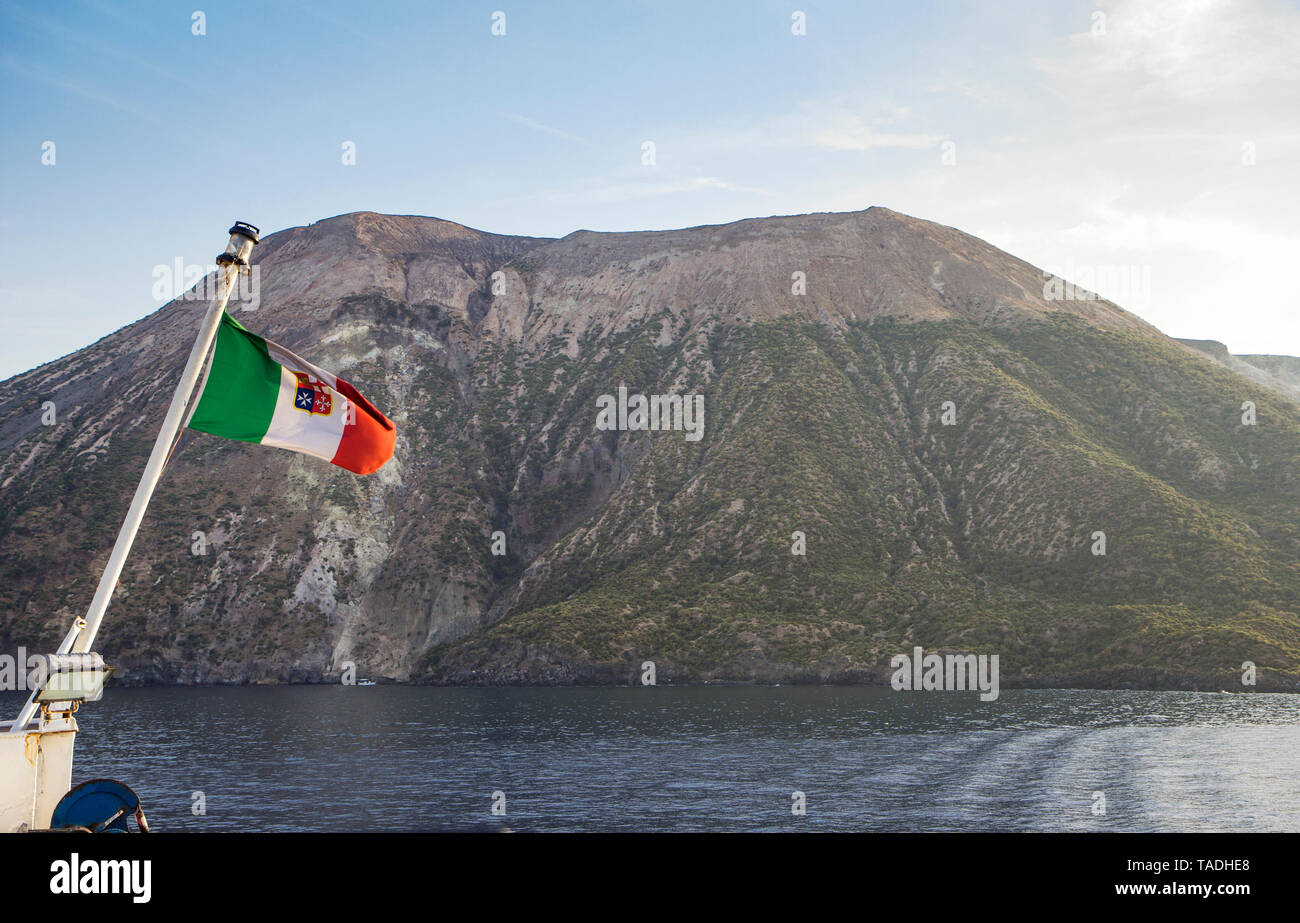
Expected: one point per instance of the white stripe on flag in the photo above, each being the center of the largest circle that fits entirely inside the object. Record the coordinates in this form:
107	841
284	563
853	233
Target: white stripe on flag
296	428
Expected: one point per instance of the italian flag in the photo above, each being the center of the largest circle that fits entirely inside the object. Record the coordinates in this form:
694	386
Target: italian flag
256	391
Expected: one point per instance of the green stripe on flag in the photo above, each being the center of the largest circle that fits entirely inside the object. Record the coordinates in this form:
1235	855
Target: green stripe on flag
243	383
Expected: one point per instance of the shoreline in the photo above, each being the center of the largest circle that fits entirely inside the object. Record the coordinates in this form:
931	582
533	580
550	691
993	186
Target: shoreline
1266	689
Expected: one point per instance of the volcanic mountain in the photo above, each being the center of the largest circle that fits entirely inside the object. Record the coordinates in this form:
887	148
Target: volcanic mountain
905	443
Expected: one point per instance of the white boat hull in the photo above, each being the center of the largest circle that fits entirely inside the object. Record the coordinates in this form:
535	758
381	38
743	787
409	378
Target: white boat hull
35	772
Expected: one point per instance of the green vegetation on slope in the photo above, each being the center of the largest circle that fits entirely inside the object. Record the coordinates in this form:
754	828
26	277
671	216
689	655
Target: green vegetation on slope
974	536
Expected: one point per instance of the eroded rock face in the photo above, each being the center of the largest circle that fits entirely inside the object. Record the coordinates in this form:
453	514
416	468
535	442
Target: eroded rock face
825	413
304	568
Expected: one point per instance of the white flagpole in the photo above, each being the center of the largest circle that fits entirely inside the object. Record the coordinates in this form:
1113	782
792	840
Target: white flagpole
242	238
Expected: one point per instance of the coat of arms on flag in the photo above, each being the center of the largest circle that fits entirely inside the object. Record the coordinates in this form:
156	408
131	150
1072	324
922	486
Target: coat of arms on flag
313	395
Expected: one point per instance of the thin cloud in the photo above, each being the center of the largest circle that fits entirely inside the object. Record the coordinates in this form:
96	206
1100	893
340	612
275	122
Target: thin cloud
620	192
34	71
843	124
856	136
547	129
95	45
614	191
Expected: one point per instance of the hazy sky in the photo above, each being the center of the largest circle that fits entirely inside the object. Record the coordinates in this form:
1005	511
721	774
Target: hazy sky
1158	142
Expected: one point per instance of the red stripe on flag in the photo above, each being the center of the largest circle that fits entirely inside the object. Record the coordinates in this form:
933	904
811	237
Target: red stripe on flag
368	440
